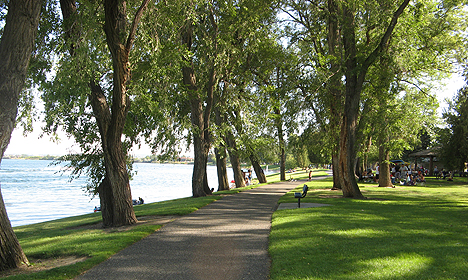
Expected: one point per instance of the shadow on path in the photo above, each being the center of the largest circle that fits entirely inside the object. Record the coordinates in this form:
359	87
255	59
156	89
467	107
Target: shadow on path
227	239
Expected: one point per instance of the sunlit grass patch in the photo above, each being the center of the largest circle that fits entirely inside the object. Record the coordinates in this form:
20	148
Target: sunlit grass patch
414	232
82	236
402	265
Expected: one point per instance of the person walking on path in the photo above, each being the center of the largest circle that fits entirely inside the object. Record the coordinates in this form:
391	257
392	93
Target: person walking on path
227	239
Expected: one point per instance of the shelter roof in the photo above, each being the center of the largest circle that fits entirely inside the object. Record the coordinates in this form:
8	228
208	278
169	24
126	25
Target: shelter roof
433	152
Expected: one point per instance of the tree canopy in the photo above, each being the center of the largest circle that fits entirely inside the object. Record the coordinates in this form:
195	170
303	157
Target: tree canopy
328	81
454	138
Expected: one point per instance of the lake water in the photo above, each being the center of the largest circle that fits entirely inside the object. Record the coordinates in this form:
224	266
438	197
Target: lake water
34	191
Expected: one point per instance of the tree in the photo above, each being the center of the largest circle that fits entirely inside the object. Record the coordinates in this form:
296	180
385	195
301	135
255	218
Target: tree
210	36
314	29
221	155
357	34
299	151
16	46
245	127
89	96
356	68
415	57
454	140
200	96
275	75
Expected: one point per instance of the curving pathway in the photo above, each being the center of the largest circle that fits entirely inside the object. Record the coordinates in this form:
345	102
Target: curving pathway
227	239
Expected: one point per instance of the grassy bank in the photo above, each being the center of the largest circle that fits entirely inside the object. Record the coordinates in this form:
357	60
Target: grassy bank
62	249
82	242
414	232
402	233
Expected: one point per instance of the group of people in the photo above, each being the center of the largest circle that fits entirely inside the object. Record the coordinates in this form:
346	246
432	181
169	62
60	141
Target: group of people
408	176
248	177
400	174
368	176
134	202
443	174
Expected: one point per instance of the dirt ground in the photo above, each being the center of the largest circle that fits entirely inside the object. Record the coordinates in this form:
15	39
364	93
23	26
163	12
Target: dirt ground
42	264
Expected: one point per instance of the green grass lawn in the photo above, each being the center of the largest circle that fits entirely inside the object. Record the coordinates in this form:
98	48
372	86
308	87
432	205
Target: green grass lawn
402	233
81	237
77	237
414	232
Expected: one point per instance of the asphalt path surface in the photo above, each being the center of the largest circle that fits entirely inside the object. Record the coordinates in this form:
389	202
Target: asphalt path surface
227	239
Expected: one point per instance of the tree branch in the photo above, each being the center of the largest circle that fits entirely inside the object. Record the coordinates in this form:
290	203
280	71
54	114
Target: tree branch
136	21
383	42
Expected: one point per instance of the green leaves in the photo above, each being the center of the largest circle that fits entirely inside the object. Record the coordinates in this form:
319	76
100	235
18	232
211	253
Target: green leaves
454	138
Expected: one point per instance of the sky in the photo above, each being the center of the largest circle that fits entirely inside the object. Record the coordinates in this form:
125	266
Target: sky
34	146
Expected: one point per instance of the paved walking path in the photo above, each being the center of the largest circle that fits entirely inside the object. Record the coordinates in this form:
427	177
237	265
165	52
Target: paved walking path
227	239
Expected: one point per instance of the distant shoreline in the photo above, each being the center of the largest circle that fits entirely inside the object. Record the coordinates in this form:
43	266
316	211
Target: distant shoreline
182	160
273	168
28	157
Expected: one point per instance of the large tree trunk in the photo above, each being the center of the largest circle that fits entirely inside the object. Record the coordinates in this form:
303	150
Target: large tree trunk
235	161
346	161
114	190
201	149
221	155
336	172
201	136
105	197
11	253
334	88
16	46
258	169
221	161
384	167
115	193
201	104
355	74
281	144
351	109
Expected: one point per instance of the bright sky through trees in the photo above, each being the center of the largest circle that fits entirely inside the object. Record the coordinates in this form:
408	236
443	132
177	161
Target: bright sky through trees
32	145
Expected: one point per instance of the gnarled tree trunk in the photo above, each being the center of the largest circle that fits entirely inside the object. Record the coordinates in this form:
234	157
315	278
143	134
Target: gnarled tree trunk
200	114
16	46
114	191
355	75
258	169
221	162
235	161
384	167
335	170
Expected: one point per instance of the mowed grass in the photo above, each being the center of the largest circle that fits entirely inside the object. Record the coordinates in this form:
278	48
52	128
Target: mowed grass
77	237
414	232
81	237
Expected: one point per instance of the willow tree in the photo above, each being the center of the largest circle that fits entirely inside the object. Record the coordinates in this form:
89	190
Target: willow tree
16	46
314	29
90	96
204	37
454	144
400	79
252	25
274	84
357	34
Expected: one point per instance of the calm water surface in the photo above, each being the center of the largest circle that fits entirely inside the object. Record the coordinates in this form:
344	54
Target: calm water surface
34	191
